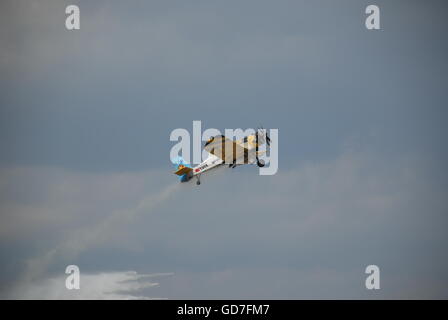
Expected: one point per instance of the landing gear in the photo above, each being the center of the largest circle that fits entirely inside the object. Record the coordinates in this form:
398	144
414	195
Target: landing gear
260	163
198	181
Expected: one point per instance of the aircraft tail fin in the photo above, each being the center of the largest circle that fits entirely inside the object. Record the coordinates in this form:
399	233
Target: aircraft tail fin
183	169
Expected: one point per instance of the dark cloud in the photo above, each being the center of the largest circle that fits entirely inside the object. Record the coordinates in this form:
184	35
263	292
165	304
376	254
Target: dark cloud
103	98
84	139
246	235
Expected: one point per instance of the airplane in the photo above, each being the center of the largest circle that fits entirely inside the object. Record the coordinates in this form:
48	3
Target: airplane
224	151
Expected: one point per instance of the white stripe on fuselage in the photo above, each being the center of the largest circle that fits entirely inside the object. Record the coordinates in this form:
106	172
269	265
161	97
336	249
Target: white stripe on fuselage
211	162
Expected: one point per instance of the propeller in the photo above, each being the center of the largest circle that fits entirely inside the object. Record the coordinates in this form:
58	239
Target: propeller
268	139
260	162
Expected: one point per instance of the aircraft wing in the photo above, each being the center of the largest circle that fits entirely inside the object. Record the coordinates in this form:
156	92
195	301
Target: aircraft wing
225	149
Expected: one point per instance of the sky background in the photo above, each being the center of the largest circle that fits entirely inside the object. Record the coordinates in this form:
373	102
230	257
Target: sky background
86	179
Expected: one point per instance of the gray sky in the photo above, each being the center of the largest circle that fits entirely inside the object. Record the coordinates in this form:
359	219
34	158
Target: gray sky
85	176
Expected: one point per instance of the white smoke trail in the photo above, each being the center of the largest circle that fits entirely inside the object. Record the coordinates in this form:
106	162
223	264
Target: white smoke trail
122	285
81	239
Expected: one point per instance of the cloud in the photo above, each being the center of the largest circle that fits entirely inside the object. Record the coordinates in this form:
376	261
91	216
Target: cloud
84	146
40	198
106	285
176	45
41	201
239	234
95	235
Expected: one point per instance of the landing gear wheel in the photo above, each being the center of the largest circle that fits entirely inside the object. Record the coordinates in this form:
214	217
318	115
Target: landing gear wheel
198	182
260	163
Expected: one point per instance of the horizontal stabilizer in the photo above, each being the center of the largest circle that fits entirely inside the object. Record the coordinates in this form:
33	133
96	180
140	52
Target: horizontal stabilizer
183	170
